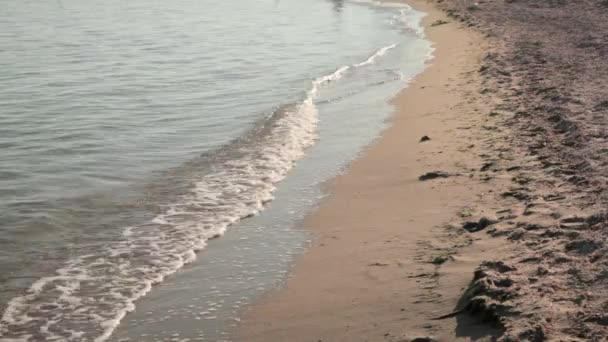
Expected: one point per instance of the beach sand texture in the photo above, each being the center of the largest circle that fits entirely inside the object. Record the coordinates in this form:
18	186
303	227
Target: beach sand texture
548	66
389	251
506	239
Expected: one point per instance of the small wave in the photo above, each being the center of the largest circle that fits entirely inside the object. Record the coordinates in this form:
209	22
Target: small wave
409	20
86	299
381	52
375	3
334	76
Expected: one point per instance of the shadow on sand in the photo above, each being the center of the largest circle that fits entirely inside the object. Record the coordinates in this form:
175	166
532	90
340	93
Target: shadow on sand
475	325
476	329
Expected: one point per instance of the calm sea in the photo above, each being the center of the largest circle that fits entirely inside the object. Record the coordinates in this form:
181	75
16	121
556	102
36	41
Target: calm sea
137	137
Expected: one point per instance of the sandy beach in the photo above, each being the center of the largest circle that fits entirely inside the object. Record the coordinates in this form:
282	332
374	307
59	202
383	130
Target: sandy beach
505	238
275	195
389	253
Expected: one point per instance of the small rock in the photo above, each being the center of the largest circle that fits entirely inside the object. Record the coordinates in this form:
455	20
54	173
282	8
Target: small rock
425	138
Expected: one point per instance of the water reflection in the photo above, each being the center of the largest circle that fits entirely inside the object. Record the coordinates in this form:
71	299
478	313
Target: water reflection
338	5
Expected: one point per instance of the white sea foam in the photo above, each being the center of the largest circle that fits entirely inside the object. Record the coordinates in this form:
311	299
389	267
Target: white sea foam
336	75
381	52
409	20
86	299
374	3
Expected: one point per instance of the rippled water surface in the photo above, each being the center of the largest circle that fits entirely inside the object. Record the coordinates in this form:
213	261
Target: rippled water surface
132	132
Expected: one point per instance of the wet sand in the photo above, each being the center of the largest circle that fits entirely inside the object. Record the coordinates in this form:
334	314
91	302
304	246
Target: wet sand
390	254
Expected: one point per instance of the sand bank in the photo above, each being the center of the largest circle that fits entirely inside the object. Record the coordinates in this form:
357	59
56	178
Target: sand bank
390	253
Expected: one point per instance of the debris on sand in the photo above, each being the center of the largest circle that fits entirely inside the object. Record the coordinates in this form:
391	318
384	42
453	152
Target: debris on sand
483	223
378	264
486	166
433	175
425	138
440	259
439	22
520	194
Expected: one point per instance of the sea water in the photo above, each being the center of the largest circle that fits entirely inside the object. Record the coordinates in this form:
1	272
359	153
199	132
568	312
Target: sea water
156	157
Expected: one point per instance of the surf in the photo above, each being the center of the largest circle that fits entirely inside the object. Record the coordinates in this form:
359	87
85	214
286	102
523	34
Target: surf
95	291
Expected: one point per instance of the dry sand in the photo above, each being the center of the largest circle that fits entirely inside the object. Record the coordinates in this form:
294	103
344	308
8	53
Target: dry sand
547	65
390	253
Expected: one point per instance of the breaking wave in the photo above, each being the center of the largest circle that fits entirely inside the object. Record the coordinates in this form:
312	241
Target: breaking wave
86	299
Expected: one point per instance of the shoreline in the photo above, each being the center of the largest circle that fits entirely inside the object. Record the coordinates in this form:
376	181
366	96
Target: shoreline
387	256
